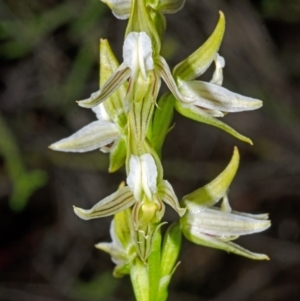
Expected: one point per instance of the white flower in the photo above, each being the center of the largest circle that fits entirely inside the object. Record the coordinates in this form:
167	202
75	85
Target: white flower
142	191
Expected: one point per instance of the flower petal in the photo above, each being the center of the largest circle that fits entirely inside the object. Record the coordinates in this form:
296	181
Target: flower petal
166	75
110	86
215	222
116	202
215	97
142	176
101	113
166	192
90	137
209	241
218	73
137	53
197	114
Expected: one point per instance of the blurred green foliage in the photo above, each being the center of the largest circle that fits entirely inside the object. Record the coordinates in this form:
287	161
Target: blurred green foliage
99	288
288	10
25	26
24	182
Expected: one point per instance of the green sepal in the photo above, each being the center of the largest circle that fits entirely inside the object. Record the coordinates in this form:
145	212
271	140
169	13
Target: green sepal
117	155
114	105
197	114
161	121
212	192
198	62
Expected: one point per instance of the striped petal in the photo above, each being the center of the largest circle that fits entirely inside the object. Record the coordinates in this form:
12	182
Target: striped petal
116	202
110	86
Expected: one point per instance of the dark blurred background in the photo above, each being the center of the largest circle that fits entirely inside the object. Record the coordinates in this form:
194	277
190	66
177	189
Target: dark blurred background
49	58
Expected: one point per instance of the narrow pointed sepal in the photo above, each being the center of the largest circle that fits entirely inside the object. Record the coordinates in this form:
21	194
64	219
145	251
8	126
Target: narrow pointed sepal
199	61
211	193
110	86
115	105
197	114
215	97
116	202
205	240
93	136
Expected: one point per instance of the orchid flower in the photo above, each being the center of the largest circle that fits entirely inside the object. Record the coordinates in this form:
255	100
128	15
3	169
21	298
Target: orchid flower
216	227
144	194
142	191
